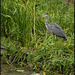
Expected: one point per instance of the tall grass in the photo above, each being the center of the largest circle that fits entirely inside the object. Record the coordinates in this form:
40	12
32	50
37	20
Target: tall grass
21	19
20	22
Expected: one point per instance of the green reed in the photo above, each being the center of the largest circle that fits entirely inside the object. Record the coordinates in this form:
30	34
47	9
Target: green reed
20	22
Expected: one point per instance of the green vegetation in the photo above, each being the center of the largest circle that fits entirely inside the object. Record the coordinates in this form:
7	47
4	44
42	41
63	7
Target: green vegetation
23	31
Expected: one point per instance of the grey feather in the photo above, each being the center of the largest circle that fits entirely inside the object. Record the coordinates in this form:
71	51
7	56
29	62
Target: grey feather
57	30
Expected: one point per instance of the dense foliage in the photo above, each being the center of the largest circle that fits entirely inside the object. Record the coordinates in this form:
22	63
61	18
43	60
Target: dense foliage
23	31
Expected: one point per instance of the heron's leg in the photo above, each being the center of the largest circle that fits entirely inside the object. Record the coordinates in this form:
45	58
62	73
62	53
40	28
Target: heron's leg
55	41
55	44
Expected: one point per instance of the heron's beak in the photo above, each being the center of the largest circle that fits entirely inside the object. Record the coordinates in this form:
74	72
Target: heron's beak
40	16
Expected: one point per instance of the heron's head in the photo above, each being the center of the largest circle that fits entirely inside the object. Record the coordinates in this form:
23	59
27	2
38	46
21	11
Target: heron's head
44	15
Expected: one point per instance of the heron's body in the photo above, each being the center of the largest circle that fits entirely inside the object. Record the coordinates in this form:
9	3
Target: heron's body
54	28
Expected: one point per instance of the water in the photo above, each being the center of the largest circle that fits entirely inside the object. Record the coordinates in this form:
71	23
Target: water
7	70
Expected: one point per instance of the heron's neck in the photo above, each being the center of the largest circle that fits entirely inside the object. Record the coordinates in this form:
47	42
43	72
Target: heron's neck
46	21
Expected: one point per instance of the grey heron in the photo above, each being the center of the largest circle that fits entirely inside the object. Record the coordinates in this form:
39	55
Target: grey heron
53	28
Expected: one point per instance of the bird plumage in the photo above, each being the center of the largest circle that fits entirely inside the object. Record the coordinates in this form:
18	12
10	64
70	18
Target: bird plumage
57	30
54	28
